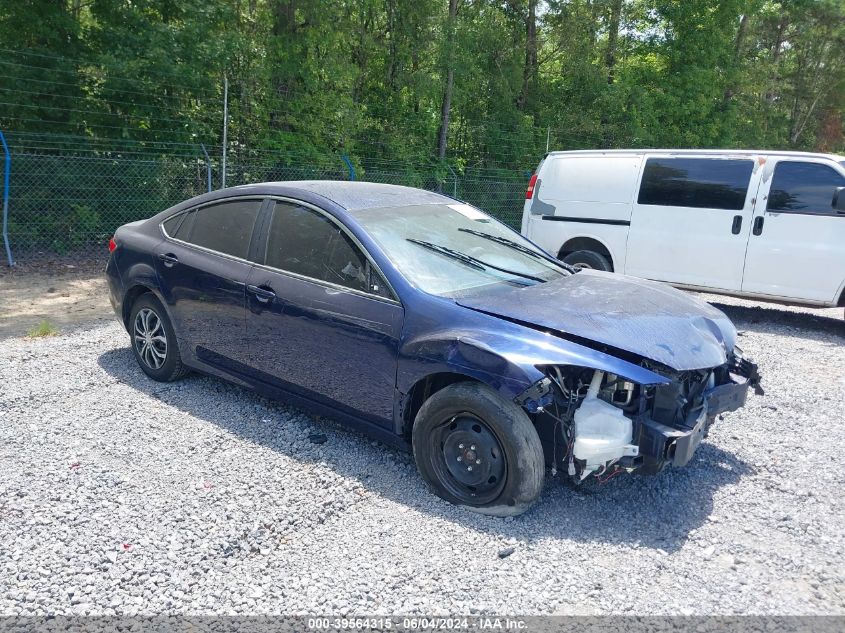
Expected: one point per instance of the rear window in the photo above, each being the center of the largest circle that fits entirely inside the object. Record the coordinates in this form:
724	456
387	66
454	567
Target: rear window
705	183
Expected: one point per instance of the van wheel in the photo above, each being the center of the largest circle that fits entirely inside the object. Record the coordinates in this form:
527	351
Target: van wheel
478	450
588	259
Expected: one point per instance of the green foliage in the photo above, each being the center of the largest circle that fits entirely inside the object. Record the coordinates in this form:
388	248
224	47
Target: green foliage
43	329
310	80
66	203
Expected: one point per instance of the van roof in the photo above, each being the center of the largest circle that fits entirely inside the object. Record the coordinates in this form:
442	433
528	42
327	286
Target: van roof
693	152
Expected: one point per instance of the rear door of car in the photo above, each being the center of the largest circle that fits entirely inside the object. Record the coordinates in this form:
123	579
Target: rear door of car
797	246
691	220
322	322
203	269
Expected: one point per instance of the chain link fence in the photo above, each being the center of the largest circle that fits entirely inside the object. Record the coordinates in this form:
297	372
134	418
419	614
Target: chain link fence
67	199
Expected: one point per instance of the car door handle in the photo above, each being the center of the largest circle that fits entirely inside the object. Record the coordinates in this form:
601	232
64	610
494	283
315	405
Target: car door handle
263	294
758	225
169	259
736	227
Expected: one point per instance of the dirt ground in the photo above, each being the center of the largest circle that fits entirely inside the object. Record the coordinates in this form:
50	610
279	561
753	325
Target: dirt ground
66	296
70	296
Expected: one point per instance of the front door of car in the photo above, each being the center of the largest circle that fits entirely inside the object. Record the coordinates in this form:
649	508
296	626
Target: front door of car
203	269
797	244
691	219
321	321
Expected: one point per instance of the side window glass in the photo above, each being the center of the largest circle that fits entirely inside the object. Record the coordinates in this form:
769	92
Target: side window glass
171	225
706	183
377	284
226	227
183	231
179	226
803	188
305	242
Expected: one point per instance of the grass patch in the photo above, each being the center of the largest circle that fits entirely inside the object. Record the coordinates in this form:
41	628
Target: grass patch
45	328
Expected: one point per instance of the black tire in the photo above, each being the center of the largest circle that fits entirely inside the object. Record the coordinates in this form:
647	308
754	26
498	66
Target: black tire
468	427
161	363
588	259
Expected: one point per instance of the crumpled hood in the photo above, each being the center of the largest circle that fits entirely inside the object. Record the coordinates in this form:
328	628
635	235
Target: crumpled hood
647	318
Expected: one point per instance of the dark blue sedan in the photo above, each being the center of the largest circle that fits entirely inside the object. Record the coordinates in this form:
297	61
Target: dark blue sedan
427	323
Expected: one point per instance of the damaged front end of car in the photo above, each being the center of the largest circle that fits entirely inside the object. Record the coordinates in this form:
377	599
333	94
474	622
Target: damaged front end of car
594	423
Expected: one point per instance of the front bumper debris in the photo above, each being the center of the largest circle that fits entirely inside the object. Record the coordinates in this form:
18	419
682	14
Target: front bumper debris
661	445
668	419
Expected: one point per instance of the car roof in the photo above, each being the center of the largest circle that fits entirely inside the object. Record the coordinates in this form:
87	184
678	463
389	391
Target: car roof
689	152
351	195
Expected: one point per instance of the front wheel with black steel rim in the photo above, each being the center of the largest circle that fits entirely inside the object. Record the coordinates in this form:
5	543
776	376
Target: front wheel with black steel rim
478	450
154	341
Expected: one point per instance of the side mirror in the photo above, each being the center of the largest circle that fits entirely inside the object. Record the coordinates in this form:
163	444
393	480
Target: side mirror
839	200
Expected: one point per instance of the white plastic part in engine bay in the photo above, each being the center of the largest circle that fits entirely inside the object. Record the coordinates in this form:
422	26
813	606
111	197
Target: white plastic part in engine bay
602	431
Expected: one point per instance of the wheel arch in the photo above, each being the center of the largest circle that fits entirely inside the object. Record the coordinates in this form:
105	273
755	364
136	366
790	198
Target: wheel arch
423	389
131	296
435	362
587	243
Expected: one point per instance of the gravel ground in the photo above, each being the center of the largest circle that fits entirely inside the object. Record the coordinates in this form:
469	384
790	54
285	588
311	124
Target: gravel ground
121	495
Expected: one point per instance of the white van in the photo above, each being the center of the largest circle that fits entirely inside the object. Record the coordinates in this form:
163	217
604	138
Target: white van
768	225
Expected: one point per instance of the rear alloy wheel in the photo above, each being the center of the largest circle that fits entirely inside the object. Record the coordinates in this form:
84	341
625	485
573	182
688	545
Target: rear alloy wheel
153	340
479	450
588	259
150	340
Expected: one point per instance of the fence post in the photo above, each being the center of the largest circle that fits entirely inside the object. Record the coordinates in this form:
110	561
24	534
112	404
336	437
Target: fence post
454	181
225	128
349	166
7	170
207	166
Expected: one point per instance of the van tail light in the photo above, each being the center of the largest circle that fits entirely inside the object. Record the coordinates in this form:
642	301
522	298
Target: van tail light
112	245
529	193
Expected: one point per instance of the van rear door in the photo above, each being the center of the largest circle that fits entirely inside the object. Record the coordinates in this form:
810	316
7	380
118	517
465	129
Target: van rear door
691	220
796	249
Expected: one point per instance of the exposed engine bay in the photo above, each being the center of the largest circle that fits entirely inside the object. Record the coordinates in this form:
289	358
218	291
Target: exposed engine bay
598	424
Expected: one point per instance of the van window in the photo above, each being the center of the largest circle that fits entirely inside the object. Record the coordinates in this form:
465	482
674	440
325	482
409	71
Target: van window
803	188
704	183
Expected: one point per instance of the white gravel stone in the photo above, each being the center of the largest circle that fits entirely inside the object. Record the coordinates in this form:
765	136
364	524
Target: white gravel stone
227	507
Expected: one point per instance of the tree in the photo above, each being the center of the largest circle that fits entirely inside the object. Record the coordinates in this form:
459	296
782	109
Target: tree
449	80
613	37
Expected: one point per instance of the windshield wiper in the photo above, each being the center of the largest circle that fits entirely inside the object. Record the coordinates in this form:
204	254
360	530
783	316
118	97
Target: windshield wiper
519	247
469	260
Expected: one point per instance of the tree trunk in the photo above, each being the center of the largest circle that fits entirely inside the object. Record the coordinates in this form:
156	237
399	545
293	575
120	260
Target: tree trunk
446	105
613	38
284	21
776	50
283	82
529	71
739	43
780	36
392	32
740	37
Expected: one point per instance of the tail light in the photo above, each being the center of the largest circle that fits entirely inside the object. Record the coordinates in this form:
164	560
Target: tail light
529	193
112	245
